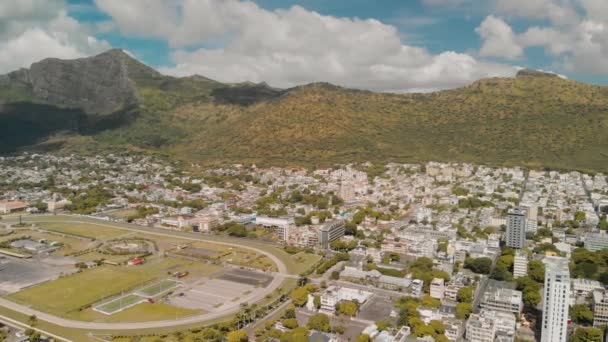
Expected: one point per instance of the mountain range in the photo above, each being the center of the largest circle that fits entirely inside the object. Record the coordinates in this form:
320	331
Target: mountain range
112	102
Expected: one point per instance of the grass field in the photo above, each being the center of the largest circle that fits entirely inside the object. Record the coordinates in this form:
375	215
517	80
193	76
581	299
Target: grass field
68	294
84	229
122	213
143	312
91	256
303	261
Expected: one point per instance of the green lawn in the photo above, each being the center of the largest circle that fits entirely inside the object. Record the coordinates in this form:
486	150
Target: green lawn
70	293
84	229
304	261
143	312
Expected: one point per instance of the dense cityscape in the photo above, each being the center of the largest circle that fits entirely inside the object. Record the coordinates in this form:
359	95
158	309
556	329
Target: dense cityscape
398	252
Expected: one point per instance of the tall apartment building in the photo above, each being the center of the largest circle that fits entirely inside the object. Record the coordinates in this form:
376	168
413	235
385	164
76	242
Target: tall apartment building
331	231
520	264
600	308
531	211
516	229
556	300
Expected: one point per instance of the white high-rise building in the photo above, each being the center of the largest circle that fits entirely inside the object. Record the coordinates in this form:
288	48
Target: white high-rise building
556	300
516	229
520	264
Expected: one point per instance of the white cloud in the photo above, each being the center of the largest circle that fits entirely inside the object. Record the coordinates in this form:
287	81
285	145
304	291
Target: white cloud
31	30
498	39
292	47
557	11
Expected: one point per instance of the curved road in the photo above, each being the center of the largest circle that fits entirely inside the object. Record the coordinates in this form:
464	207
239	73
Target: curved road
278	279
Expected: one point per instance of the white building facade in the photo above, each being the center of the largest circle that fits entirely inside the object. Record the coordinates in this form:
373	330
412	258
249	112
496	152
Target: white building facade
556	300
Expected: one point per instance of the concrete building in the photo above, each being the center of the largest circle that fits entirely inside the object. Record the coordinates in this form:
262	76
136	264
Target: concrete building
516	229
480	328
374	278
596	241
583	287
7	207
600	308
520	264
416	288
491	326
503	300
57	205
556	300
437	288
207	222
336	294
331	231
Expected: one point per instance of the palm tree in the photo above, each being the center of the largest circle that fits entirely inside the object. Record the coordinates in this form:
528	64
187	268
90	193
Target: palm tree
32	320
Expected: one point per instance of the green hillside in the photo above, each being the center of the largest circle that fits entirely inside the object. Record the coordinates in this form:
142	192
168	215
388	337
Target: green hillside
535	120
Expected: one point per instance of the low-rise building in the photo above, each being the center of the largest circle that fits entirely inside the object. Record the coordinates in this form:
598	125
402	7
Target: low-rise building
416	288
503	300
374	278
480	328
583	287
520	264
7	207
437	288
596	241
336	294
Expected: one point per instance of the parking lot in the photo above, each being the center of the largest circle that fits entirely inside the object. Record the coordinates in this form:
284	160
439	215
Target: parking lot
16	274
376	306
223	290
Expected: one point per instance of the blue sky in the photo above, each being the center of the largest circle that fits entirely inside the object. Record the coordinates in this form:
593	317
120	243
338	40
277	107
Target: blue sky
385	45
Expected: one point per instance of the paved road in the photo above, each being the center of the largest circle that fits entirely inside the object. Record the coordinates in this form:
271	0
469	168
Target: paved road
18	325
276	283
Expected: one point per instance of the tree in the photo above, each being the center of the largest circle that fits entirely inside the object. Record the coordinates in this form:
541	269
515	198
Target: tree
299	296
32	320
430	302
463	310
438	326
585	269
348	308
237	336
363	338
581	314
536	271
319	322
587	335
317	302
383	325
479	265
290	323
465	295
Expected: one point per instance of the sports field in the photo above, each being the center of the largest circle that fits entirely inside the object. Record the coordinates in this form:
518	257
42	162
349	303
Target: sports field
118	304
158	288
68	294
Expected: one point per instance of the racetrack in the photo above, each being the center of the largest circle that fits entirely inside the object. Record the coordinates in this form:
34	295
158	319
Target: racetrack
278	278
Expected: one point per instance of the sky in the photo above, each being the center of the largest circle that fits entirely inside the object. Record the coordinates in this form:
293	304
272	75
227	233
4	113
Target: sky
380	45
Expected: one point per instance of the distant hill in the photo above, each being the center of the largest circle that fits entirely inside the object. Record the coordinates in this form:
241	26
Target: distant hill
112	101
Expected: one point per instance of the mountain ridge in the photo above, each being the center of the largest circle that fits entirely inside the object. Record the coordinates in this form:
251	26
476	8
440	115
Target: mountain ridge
535	119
